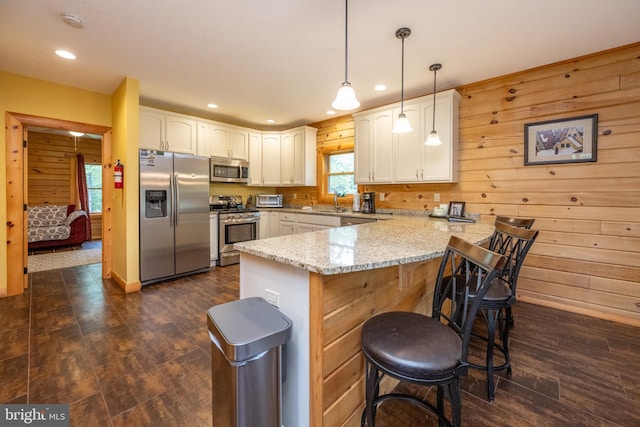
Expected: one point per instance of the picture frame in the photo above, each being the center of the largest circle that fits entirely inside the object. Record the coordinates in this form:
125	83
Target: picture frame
571	140
456	209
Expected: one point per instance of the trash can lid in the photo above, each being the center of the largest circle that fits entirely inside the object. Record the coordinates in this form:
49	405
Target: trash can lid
248	327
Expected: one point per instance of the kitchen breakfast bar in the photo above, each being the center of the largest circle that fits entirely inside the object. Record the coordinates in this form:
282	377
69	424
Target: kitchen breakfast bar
328	282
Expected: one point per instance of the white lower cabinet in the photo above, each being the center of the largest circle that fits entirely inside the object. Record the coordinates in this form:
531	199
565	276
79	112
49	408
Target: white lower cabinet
274	224
287	223
263	225
291	223
213	238
306	222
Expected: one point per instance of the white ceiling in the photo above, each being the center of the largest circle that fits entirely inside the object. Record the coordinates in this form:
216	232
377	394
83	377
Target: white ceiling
284	59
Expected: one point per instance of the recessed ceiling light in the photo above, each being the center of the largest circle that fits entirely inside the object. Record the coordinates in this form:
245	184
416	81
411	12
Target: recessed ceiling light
330	112
72	20
212	105
65	54
271	121
380	87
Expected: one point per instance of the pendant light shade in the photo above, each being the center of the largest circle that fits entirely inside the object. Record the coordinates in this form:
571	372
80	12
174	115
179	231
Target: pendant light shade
402	124
346	97
434	138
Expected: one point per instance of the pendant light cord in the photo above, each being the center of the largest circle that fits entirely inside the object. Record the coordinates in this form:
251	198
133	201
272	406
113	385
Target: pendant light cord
346	41
402	80
435	70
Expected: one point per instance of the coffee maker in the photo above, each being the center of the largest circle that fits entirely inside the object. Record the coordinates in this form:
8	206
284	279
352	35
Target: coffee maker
369	202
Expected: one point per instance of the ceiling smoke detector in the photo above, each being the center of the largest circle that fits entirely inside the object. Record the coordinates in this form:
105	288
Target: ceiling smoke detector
72	20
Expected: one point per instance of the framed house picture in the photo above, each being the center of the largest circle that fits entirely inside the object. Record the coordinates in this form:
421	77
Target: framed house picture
456	209
572	140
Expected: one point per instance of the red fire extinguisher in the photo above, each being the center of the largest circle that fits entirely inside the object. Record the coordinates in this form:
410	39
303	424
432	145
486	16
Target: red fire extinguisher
118	174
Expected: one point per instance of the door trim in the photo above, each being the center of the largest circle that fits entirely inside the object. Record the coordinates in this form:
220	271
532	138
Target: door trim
16	172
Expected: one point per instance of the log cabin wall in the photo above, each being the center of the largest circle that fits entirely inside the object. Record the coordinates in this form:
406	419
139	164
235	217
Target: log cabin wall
52	173
587	256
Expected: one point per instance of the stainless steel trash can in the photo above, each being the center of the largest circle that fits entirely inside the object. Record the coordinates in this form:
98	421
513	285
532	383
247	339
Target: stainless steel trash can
246	355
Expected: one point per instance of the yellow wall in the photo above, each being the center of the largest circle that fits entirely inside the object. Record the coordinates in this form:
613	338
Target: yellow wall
125	223
25	95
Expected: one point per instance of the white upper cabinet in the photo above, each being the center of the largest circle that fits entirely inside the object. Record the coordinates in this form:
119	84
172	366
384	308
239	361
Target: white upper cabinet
271	157
255	158
373	146
227	141
440	163
383	157
164	131
299	156
283	158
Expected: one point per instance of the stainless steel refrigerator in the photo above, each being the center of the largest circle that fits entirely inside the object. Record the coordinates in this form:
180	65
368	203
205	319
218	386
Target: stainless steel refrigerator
174	215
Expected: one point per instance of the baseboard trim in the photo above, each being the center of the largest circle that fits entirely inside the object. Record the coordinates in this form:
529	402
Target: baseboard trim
546	301
128	287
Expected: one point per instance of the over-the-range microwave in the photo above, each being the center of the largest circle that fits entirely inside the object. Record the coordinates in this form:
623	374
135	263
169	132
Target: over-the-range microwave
224	169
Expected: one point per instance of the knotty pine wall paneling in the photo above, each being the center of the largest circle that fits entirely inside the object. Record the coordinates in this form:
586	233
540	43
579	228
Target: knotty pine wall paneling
52	169
587	256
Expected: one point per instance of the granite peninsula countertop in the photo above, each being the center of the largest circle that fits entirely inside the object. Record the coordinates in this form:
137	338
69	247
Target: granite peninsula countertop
393	240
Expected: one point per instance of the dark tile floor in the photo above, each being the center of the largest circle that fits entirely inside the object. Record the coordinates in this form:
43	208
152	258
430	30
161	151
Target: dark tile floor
143	359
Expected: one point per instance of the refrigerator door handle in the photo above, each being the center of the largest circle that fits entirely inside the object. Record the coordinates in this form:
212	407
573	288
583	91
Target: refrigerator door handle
177	204
172	191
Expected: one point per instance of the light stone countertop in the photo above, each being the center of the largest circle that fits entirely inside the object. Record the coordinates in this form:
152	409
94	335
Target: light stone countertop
397	240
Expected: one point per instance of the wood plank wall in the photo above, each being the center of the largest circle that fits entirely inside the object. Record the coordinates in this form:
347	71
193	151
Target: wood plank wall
587	256
51	170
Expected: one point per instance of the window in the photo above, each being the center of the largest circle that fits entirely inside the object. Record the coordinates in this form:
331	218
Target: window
340	173
94	186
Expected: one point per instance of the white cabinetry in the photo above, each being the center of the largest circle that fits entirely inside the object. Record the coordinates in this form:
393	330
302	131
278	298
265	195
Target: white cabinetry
416	162
287	223
227	141
384	157
299	156
215	139
373	146
213	237
255	158
306	222
263	231
164	131
270	153
274	224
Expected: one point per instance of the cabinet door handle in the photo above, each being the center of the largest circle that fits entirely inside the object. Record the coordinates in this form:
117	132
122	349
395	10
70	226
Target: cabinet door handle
422	173
416	173
166	145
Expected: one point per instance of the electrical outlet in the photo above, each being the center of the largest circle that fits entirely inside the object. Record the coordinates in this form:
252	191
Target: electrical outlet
295	195
381	196
436	197
272	297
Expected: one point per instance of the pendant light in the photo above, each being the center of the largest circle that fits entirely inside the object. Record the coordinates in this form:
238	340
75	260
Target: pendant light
402	123
75	138
346	98
433	138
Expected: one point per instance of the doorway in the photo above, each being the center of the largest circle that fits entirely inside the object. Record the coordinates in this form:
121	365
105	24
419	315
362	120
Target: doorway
17	193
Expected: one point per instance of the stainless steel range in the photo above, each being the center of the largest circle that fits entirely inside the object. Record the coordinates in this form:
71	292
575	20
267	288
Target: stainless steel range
236	224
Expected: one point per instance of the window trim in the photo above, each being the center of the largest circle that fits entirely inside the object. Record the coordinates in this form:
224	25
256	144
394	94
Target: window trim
324	197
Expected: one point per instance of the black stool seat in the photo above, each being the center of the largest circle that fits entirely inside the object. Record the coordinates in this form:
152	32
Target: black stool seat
396	342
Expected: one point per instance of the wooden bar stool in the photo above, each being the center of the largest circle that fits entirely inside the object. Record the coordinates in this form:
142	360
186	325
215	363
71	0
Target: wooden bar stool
430	350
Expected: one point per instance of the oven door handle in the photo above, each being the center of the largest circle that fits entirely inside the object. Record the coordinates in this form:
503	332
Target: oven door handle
239	221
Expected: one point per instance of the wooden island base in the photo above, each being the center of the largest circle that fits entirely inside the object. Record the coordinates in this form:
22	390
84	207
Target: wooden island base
325	367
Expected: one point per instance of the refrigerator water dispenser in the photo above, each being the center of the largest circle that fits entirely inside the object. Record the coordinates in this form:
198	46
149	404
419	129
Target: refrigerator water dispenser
155	204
